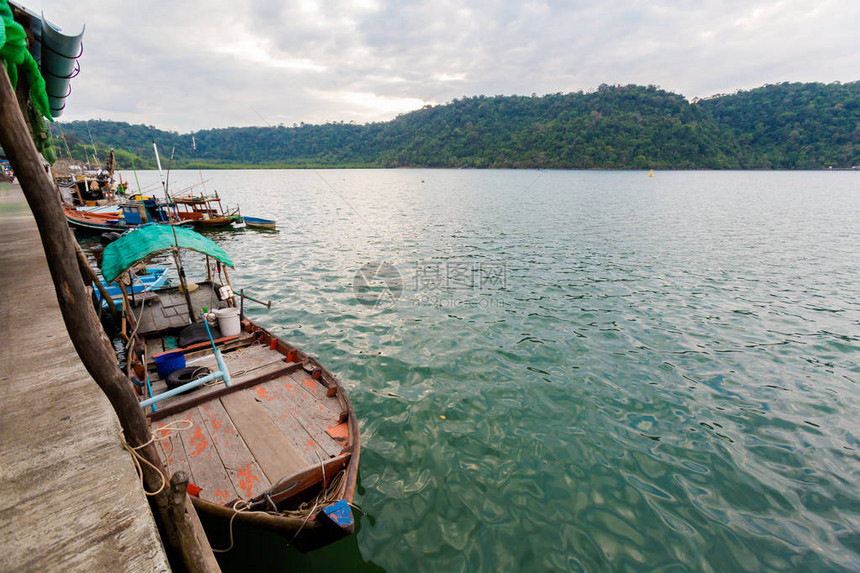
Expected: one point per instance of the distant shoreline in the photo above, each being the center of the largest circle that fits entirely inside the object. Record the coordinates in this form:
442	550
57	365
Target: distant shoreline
806	126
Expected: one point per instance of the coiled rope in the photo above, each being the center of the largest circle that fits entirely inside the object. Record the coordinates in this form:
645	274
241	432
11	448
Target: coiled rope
167	434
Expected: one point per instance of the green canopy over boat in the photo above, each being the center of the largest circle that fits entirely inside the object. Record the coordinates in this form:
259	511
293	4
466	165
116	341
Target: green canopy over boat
142	242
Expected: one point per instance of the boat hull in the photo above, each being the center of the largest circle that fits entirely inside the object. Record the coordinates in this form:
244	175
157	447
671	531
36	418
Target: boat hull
94	222
258	223
245	404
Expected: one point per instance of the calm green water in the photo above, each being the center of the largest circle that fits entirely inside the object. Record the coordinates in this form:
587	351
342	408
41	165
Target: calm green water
583	371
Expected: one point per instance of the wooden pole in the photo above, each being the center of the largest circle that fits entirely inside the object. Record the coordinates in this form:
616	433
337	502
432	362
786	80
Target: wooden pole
181	509
182	280
227	280
78	314
90	275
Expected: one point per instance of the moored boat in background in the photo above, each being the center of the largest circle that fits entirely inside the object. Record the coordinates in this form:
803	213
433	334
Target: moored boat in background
258	223
205	211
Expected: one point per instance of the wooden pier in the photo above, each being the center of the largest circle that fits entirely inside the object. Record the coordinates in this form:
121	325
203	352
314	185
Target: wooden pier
71	498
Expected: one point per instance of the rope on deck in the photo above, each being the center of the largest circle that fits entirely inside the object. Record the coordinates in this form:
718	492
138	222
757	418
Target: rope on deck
167	434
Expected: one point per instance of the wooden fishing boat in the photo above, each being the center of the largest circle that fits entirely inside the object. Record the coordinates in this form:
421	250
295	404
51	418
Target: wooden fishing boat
118	216
95	221
205	211
258	223
267	436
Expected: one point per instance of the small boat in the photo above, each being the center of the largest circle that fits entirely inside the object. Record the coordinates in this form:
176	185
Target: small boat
140	281
267	435
258	223
202	210
205	211
119	216
95	221
93	201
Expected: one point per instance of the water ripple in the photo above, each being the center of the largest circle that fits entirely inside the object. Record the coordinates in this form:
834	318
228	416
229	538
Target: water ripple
666	380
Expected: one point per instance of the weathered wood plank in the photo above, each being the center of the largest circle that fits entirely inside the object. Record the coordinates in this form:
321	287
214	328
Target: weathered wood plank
204	462
275	453
238	461
207	393
200	394
313	416
239	361
153	347
316	406
282	415
320	394
171	449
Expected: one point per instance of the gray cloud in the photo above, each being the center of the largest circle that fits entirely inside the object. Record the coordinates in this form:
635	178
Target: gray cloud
194	65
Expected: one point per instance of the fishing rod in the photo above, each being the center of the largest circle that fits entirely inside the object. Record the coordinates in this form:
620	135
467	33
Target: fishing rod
194	147
160	172
93	143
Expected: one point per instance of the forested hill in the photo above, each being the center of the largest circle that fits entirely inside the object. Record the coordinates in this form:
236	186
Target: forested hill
781	126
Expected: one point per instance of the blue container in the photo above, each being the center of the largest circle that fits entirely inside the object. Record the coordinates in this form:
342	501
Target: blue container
168	362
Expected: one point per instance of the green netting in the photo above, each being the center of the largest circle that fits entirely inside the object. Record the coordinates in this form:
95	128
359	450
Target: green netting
14	54
13	51
138	244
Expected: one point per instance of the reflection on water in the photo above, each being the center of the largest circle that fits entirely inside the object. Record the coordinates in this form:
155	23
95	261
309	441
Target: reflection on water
583	371
256	550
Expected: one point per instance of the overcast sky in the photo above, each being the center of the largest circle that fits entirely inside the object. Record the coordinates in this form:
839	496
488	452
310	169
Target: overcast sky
185	65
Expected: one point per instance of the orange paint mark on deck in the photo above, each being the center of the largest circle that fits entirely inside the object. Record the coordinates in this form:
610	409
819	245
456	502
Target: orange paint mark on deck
216	424
247	480
339	432
262	394
198	442
310	445
222	496
310	383
165	431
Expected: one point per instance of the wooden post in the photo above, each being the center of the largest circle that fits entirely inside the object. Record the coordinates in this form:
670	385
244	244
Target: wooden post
181	509
78	314
183	282
129	321
90	275
227	280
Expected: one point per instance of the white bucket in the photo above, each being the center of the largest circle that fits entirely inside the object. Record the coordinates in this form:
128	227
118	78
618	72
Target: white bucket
228	321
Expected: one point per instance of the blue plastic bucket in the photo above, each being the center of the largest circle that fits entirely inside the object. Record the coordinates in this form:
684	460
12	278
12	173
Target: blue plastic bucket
168	362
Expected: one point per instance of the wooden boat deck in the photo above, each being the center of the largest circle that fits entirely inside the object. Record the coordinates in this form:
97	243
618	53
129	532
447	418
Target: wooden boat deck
169	311
277	422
